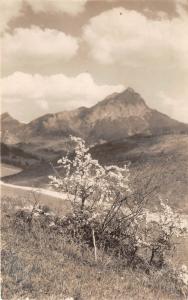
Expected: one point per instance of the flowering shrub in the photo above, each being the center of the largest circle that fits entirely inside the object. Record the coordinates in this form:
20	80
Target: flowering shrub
90	186
179	276
160	231
183	275
104	202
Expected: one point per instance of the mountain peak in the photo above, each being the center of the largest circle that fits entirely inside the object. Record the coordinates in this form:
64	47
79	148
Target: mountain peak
130	90
126	98
131	94
117	116
7	118
5	115
127	91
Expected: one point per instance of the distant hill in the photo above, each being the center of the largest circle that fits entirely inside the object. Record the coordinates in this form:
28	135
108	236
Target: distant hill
118	116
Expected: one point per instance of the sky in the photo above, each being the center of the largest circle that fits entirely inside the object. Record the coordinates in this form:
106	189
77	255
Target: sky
62	54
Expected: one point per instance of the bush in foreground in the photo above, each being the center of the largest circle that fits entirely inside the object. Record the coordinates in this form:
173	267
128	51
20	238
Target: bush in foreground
109	214
40	261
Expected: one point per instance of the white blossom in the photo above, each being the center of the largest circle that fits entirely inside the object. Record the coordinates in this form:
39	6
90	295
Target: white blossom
89	184
183	274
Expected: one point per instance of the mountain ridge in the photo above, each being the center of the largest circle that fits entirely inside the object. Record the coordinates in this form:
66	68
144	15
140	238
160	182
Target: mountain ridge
117	116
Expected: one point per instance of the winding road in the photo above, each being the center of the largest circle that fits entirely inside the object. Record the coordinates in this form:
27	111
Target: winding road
55	200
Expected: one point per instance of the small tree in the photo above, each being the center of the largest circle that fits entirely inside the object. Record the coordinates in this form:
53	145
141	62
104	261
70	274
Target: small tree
97	193
90	186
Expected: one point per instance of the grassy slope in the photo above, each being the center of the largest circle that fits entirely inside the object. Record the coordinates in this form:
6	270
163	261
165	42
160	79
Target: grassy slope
16	156
58	205
41	264
163	157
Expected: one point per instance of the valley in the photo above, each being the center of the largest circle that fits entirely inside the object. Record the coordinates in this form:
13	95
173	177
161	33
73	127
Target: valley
119	130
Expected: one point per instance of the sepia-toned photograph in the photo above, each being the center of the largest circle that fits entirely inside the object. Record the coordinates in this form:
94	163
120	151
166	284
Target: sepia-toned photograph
94	149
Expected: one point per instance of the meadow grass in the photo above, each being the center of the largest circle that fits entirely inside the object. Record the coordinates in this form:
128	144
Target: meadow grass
40	263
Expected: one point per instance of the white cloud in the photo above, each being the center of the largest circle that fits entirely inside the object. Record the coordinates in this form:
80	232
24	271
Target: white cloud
53	93
71	7
11	9
43	104
130	38
174	106
28	46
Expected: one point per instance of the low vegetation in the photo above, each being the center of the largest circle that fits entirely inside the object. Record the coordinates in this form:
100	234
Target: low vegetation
110	213
41	261
109	246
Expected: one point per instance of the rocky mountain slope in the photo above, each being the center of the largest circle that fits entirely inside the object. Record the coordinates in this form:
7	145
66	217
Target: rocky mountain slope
11	129
118	116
